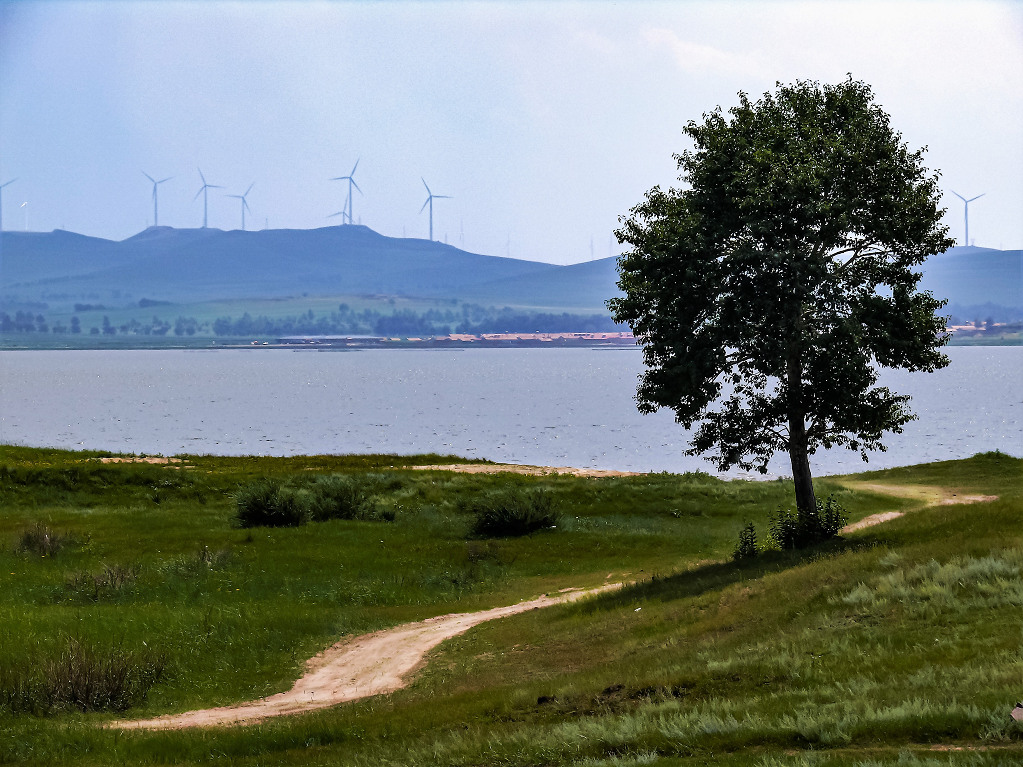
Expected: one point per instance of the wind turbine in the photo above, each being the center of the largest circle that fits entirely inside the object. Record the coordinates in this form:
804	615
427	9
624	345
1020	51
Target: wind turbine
966	211
8	183
156	218
343	213
202	191
245	204
429	201
351	183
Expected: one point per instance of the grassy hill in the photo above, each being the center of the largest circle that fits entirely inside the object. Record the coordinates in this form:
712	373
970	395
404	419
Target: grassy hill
874	649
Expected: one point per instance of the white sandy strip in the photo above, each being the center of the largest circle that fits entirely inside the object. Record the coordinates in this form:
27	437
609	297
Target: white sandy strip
372	664
933	496
515	468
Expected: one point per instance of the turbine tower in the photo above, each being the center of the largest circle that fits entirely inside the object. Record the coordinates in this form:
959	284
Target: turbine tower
202	191
351	183
7	183
966	212
245	204
429	201
156	218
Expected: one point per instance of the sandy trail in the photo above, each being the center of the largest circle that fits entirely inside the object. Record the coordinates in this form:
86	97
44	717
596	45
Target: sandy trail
372	664
929	494
515	468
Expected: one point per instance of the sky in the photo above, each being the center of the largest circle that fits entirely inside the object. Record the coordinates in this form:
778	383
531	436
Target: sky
542	122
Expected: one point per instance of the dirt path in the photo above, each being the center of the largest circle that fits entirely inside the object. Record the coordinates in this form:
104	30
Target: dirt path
515	468
929	494
372	664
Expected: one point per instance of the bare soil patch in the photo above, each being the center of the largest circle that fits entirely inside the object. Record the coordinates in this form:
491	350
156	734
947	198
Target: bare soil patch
930	494
154	459
371	664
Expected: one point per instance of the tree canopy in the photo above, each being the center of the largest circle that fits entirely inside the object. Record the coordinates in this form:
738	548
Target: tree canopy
768	290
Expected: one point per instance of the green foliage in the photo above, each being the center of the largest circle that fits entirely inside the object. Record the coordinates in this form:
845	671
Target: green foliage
41	541
79	676
109	583
807	527
337	496
766	293
268	503
746	548
512	513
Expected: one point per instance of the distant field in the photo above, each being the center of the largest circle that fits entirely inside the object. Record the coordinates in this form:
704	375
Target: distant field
874	649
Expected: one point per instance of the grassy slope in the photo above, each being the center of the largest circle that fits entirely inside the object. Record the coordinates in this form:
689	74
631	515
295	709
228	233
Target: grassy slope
862	648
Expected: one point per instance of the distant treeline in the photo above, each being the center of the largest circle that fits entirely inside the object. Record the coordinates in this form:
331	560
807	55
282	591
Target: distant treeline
468	318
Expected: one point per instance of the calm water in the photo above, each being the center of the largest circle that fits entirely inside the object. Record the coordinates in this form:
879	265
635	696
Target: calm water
569	407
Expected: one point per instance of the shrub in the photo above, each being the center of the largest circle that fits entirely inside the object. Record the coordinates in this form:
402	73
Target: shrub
802	528
338	497
512	513
268	503
42	541
747	545
80	677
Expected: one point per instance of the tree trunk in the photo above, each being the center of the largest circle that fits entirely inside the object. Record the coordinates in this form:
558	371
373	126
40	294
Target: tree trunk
798	444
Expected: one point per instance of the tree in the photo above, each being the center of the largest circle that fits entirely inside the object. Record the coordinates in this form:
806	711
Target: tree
766	293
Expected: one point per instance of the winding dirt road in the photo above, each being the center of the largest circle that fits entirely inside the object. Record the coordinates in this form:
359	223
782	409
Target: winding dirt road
372	664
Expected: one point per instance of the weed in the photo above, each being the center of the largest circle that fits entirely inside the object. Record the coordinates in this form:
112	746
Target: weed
511	513
806	527
110	582
80	677
336	496
746	548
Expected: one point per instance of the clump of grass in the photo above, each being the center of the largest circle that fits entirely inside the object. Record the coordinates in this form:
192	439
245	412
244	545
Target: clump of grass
336	496
511	513
267	503
110	582
42	541
203	560
80	677
806	527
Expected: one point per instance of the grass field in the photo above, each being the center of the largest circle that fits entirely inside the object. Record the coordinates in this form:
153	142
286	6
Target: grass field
876	648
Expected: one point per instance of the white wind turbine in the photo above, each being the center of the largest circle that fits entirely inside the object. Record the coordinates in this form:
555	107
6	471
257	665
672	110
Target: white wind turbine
351	183
245	203
202	191
156	218
429	201
966	212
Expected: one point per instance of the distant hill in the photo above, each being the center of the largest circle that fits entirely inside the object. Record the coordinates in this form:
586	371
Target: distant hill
193	265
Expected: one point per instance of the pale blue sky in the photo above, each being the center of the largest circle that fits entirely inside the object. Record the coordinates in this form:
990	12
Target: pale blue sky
544	121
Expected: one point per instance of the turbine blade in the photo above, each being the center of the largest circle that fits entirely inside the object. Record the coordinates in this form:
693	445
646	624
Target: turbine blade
444	196
202	176
958	195
8	183
354	167
426	203
245	205
339	213
198	193
249	189
424	184
976	198
149	177
352	180
163	179
214	186
340	178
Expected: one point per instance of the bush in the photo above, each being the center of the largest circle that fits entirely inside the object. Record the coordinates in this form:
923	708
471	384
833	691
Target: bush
512	513
747	546
338	497
797	530
42	541
267	503
80	677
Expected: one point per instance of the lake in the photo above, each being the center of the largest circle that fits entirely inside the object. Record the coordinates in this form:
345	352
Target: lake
556	407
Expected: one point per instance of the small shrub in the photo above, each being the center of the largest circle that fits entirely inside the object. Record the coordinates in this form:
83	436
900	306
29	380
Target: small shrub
512	513
202	561
746	548
269	504
802	528
42	541
107	584
80	677
338	497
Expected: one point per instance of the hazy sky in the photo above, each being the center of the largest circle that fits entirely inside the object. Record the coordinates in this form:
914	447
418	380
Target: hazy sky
543	121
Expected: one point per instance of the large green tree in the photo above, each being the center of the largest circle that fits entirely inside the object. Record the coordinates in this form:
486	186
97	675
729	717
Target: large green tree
768	290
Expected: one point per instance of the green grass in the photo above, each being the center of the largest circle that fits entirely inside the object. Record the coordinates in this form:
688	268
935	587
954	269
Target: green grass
866	650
